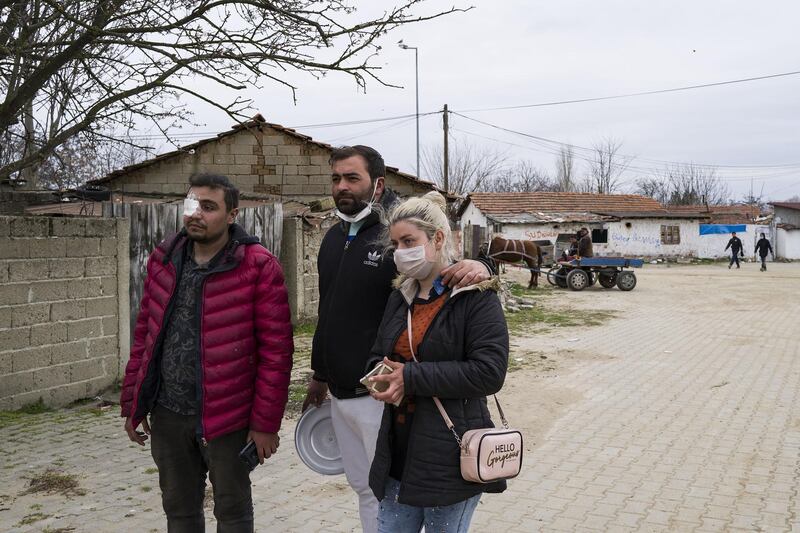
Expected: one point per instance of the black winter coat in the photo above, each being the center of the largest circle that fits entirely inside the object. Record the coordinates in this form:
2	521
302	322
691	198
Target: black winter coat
355	281
463	358
763	247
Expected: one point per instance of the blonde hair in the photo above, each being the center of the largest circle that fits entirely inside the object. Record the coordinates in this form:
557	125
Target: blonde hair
429	214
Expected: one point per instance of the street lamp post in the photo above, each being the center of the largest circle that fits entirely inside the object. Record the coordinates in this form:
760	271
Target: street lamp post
416	80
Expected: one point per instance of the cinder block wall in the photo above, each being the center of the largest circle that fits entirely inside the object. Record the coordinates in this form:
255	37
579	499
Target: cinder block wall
60	302
299	248
264	162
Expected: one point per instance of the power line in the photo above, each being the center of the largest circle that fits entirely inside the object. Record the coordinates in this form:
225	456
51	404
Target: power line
629	168
630	95
576	147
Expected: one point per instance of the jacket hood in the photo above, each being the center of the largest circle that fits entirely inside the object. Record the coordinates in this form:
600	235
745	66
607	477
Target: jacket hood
408	287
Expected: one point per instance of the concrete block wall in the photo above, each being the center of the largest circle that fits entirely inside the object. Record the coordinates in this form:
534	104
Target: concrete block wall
299	248
61	298
264	162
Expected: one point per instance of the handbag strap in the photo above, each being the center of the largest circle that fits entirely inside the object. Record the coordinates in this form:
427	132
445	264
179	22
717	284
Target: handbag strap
436	400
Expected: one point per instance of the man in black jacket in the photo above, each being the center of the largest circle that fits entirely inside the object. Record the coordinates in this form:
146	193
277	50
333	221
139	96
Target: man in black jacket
735	244
355	281
763	248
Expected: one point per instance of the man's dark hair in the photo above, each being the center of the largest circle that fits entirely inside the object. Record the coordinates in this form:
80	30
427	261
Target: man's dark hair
733	233
375	165
217	181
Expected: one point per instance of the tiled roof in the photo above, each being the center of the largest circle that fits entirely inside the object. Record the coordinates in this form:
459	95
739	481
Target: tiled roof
559	202
786	205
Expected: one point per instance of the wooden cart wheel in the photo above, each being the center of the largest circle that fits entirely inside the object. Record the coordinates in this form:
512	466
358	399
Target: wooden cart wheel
626	281
551	275
577	280
561	279
608	279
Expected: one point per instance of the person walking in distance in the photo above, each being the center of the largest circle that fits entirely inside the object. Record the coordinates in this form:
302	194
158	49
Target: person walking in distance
763	248
210	361
737	249
355	280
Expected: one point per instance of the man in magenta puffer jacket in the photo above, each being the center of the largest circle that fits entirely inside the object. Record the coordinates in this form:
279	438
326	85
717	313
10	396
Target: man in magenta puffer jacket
210	361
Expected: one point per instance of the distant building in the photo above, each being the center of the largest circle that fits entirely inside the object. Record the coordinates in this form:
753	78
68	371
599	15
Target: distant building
620	224
786	228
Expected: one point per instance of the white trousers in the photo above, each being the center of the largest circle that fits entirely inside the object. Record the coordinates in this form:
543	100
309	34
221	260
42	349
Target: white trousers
356	422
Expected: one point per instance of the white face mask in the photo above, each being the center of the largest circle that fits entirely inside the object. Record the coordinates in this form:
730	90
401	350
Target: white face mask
364	213
412	262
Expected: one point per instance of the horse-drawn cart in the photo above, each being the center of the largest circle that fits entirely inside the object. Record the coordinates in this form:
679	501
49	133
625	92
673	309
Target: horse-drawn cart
579	273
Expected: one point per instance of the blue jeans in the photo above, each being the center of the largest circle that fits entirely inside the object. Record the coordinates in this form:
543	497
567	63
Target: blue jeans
395	517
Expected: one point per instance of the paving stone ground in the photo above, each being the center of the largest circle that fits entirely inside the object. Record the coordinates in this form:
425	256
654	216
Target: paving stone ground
687	418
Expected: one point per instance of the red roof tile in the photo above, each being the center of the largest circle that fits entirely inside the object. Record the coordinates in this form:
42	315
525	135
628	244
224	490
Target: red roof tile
560	202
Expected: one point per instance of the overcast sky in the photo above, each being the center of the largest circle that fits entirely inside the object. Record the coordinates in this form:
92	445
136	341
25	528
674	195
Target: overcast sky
506	53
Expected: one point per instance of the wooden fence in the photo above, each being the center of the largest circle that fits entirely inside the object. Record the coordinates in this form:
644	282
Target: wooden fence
151	223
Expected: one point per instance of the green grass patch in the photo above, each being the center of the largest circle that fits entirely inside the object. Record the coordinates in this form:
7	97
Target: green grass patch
305	329
8	418
151	470
538	319
32	519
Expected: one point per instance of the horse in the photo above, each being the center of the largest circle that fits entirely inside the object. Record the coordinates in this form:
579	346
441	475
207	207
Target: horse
516	250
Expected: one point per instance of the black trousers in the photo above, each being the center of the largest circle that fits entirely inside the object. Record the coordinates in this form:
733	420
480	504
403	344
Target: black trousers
182	466
734	259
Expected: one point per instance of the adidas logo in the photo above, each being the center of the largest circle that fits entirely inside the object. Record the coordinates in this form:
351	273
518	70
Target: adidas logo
373	258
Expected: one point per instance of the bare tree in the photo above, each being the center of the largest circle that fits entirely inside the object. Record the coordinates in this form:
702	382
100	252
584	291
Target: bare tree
606	166
471	167
89	67
80	159
656	188
685	184
522	177
565	170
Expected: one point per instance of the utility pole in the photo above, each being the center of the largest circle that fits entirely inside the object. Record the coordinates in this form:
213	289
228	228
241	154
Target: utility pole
404	46
446	173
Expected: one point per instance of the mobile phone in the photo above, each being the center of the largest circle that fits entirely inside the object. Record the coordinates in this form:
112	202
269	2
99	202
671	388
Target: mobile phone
377	386
249	455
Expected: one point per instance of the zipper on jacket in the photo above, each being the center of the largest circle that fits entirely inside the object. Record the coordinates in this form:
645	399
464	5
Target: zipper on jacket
200	377
157	346
331	298
199	371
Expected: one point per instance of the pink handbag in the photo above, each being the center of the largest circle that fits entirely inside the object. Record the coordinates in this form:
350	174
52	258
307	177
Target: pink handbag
487	455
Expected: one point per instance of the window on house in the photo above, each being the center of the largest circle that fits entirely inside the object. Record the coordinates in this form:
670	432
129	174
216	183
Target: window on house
670	235
600	235
497	228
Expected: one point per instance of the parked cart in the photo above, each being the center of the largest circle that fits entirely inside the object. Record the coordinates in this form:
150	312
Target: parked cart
579	273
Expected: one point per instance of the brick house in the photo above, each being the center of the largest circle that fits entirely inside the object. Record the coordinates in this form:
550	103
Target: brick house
261	158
